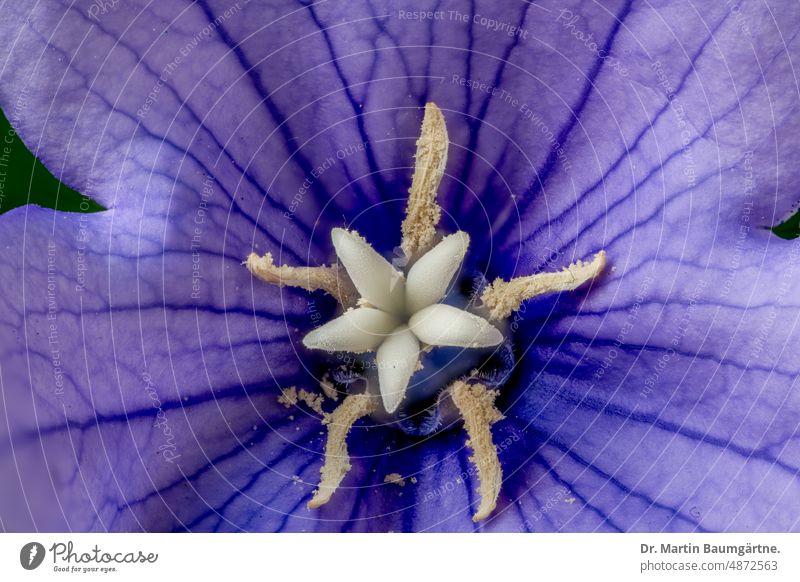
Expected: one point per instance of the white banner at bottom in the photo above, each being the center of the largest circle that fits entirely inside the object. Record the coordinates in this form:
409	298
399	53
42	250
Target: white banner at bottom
399	557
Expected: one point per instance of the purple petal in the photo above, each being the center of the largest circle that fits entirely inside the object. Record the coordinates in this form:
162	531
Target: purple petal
130	379
664	400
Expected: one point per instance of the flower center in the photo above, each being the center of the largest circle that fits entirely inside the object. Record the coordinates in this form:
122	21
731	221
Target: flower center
400	315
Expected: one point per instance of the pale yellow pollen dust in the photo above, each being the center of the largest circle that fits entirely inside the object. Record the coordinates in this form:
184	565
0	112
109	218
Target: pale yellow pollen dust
288	396
395	478
291	396
327	387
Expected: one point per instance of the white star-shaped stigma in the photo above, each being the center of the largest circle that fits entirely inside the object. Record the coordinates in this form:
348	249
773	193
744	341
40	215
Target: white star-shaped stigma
398	313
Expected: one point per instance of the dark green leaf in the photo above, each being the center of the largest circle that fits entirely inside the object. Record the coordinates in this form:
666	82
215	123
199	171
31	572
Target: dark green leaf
789	228
25	180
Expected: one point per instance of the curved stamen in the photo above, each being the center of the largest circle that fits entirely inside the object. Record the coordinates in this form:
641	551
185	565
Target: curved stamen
502	298
422	212
337	459
334	280
476	404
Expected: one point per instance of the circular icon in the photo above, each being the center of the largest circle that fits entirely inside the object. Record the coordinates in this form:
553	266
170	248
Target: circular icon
31	555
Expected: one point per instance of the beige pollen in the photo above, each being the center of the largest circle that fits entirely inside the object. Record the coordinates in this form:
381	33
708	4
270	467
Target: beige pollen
292	396
288	397
327	387
395	478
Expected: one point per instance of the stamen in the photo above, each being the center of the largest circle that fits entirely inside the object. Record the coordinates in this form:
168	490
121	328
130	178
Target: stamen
504	297
337	459
476	404
334	280
422	212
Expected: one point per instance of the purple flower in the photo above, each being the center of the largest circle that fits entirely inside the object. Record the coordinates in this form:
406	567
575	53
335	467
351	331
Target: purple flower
145	373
